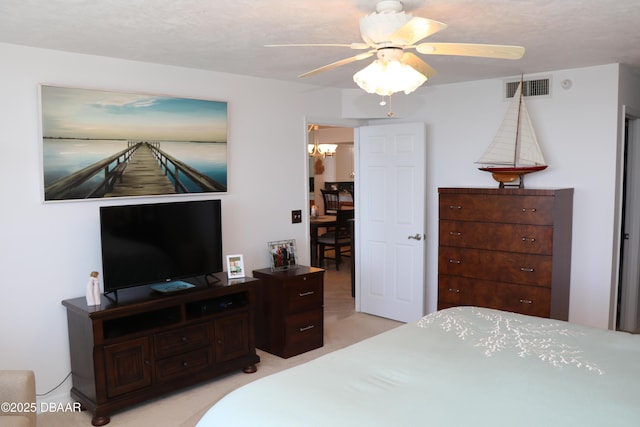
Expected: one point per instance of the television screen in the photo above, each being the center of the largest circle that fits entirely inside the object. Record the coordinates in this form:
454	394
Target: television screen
157	243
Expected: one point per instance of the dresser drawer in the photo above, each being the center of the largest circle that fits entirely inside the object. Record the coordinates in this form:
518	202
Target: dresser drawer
532	239
507	267
304	293
303	332
537	210
183	364
531	300
180	341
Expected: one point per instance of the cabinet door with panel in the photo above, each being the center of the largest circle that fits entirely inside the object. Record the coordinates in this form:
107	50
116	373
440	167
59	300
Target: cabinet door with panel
232	337
128	366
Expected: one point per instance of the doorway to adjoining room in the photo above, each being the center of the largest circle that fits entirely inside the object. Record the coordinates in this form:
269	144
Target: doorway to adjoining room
331	163
331	167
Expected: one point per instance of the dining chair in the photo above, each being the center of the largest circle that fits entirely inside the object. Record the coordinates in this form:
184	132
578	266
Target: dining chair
339	240
331	199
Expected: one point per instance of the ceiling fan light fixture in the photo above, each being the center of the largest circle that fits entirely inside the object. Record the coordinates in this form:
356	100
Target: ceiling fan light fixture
388	77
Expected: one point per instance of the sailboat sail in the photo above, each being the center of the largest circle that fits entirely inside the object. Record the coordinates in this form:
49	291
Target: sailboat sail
515	144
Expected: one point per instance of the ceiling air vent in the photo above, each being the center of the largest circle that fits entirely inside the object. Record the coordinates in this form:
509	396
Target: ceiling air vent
530	87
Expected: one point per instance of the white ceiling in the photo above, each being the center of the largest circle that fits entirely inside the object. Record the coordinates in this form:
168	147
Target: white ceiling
229	35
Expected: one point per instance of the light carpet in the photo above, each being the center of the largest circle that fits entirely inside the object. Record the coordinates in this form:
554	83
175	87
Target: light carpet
343	326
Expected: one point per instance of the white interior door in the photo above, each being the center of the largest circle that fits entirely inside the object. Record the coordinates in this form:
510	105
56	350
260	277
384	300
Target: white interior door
390	220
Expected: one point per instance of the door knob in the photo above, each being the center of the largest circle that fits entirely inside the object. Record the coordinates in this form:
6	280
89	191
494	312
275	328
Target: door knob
417	237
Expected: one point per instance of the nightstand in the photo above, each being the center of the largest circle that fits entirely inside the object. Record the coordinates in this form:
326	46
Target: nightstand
290	318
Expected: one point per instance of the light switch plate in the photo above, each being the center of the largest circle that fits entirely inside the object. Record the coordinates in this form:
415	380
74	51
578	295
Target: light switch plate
296	216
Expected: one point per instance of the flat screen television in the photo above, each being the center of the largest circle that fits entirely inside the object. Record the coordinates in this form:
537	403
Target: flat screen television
159	243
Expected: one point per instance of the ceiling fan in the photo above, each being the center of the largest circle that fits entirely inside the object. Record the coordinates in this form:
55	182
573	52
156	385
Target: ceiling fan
389	33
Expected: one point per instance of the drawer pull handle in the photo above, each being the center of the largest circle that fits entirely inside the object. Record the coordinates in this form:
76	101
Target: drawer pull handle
454	261
457	291
455	233
529	239
306	294
184	339
455	207
527	269
530	210
306	328
185	364
526	301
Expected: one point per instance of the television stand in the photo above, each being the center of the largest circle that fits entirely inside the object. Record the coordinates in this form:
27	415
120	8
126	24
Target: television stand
144	344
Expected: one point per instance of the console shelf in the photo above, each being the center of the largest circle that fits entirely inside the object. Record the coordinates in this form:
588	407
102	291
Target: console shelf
147	344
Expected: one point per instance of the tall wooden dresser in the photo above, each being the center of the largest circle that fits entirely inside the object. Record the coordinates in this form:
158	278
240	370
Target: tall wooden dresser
507	249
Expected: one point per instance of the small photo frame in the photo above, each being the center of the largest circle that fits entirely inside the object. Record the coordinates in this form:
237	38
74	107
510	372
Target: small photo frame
282	254
235	266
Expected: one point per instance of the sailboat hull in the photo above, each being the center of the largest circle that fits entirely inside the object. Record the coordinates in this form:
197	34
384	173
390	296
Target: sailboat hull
516	170
506	175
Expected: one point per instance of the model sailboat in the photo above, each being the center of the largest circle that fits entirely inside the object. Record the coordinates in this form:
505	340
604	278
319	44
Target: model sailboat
514	151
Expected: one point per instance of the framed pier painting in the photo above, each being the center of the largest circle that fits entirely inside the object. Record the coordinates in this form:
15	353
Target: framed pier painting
98	144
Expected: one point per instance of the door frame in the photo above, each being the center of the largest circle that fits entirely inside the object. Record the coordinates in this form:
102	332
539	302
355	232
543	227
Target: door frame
625	302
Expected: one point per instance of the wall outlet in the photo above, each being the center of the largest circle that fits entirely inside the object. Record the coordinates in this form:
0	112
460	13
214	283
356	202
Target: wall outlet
296	216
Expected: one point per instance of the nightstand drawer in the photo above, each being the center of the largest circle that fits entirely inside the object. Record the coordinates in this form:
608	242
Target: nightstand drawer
304	331
304	293
181	341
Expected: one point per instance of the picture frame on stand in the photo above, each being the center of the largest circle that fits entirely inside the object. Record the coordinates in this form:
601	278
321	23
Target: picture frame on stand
235	266
282	254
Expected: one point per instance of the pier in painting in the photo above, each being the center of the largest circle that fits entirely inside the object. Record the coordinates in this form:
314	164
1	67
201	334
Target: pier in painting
140	169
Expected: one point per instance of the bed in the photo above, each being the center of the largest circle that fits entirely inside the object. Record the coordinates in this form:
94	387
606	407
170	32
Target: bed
461	366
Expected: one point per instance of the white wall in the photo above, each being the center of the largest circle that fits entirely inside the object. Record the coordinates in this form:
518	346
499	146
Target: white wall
578	132
47	250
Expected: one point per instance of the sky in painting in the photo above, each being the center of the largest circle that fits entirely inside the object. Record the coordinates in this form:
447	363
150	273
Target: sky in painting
95	114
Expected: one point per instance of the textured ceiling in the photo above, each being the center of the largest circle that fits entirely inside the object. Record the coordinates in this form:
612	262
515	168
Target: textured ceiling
229	35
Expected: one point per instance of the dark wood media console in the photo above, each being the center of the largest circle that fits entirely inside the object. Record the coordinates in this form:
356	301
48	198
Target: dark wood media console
148	344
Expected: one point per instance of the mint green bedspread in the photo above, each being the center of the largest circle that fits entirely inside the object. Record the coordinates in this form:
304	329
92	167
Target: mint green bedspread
463	366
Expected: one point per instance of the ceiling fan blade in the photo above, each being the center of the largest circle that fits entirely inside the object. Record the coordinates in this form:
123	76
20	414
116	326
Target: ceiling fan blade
469	49
336	64
415	30
418	64
355	46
